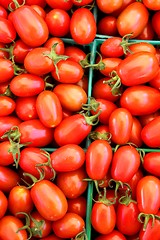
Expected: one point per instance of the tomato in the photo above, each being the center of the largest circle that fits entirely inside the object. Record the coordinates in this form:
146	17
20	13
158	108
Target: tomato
111	64
98	159
69	71
8	179
75	53
138	68
155	82
3	53
155	22
151	163
3	204
140	100
144	119
127	219
28	22
68	226
67	158
6	156
7	70
103	218
142	46
111	47
82	2
39	10
10	225
148	194
7	31
45	228
107	26
8	122
109	6
135	137
59	48
83	26
71	183
150	133
61	4
131	159
49	109
7	106
27	85
65	132
134	181
3	12
73	98
58	22
111	236
147	33
20	50
83	83
152	4
19	200
125	3
100	132
120	125
46	195
78	205
136	11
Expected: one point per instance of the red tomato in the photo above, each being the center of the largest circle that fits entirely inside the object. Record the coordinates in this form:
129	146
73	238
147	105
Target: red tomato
39	10
110	64
123	6
156	23
100	132
61	4
120	125
46	195
19	200
3	204
68	226
59	48
78	205
8	122
3	53
73	98
109	6
6	69
58	22
7	106
3	12
107	26
82	2
150	133
67	158
98	159
142	46
75	53
83	26
139	15
20	51
152	4
49	109
71	183
140	100
155	82
111	47
131	163
151	163
41	3
6	156
28	22
7	31
134	181
135	137
111	236
147	33
6	3
144	119
83	83
8	179
9	226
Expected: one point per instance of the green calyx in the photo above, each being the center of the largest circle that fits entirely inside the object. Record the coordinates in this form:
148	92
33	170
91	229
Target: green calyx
115	83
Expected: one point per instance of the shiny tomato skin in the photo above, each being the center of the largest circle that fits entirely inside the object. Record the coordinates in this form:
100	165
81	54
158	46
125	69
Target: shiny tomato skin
41	3
3	204
73	98
111	47
28	22
7	70
152	4
46	195
19	200
8	179
107	26
34	132
75	53
142	46
65	132
120	125
135	137
7	122
20	51
109	6
83	26
62	4
150	133
131	159
39	10
98	159
59	49
112	236
155	23
134	181
147	33
155	82
7	106
105	214
10	225
7	31
27	85
78	205
49	109
140	100
138	68
67	158
3	12
68	226
82	3
136	11
148	194
111	64
6	156
151	162
71	183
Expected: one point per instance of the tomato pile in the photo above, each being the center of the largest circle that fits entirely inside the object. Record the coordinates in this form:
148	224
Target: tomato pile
79	120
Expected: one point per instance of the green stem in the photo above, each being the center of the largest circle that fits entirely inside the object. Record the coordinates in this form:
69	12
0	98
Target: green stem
146	218
17	5
92	120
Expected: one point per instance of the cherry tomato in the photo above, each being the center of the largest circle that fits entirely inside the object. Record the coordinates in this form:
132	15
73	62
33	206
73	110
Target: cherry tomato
111	236
20	51
75	53
151	163
7	31
8	122
39	10
111	64
107	26
78	205
111	47
59	48
7	106
7	70
61	4
109	6
3	204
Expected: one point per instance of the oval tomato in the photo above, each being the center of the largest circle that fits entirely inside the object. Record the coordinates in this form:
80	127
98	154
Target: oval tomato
147	33
3	204
135	137
107	26
134	181
109	6
7	106
155	23
78	205
7	31
3	12
111	64
75	53
152	4
151	163
7	70
142	46
61	4
6	156
59	48
20	50
111	47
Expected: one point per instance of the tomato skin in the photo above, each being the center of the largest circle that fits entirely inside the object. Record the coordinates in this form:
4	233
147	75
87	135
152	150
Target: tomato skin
7	70
75	53
82	3
109	6
19	200
111	47
138	68
142	46
135	137
111	236
3	204
39	10
134	181
28	22
127	219
7	31
98	159
155	22
155	82
152	4
150	133
27	85
68	226
7	106
78	205
59	49
107	26
67	158
147	33
49	109
52	237
148	194
131	159
71	183
136	11
10	224
103	218
83	26
140	100
62	4
3	12
111	64
120	125
6	156
7	122
64	133
20	51
151	163
8	179
41	3
73	98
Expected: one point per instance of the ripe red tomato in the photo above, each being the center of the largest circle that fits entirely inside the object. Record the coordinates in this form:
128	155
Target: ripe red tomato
20	50
7	70
78	205
111	236
82	2
98	159
142	46
147	33
59	48
3	204
7	106
7	123
111	64
39	10
107	26
111	47
155	82
151	162
75	53
6	156
109	6
61	4
155	22
3	12
7	31
83	26
68	226
135	137
152	4
134	181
